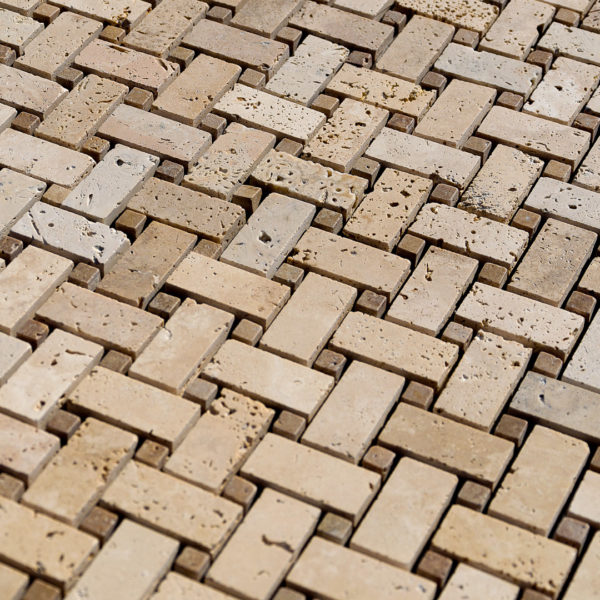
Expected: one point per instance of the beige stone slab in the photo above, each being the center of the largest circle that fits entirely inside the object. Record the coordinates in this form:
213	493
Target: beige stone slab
127	66
164	27
430	295
36	544
12	582
333	571
180	587
229	161
23	7
584	505
581	369
316	477
594	104
124	13
415	49
233	45
423	157
12	354
467	583
581	6
572	42
264	546
553	263
309	318
7	115
395	348
58	44
373	10
18	193
590	282
43	160
221	440
505	550
276	381
270	233
183	346
129	566
585	585
405	513
530	322
478	237
483	381
354	412
309	181
135	406
173	506
489	196
265	17
26	284
500	72
75	478
246	295
588	173
305	75
17	30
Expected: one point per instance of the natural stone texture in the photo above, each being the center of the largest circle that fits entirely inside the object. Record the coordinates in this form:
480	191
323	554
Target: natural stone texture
265	17
587	577
581	369
180	587
118	12
17	30
13	582
18	193
12	354
467	583
588	173
584	505
572	42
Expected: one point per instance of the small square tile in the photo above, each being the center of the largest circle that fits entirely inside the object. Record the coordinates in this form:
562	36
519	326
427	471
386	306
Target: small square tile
402	123
63	424
85	276
46	13
219	14
240	491
116	361
11	487
328	220
595	462
541	58
435	566
7	55
100	523
139	98
289	425
458	334
152	454
192	563
10	248
474	495
588	123
289	147
289	275
331	363
527	221
26	122
548	365
434	81
510	101
289	36
209	248
201	392
253	79
444	194
367	169
288	594
112	34
335	528
479	147
418	394
572	532
411	247
581	304
360	59
96	147
69	77
466	37
248	197
493	274
41	590
131	223
557	170
371	303
379	459
164	305
33	332
182	56
325	104
170	171
567	17
512	429
213	124
55	194
248	332
395	19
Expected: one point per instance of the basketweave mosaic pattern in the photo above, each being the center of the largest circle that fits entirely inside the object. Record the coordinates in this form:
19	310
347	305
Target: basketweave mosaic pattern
298	300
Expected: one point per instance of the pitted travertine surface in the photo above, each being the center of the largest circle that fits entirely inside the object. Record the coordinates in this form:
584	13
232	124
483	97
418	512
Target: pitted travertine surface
298	299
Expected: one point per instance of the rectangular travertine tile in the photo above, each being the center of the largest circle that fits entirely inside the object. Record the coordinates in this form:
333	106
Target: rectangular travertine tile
23	7
373	10
100	319
18	193
346	135
588	173
229	161
423	157
333	571
538	136
483	381
270	113
309	318
304	76
210	218
553	262
41	159
590	282
17	30
430	295
584	505
35	543
79	115
572	42
125	13
172	506
246	295
13	353
76	477
186	343
264	546
476	236
191	96
415	49
129	566
594	103
127	66
157	135
103	195
582	368
540	480
530	322
505	550
58	44
181	587
500	72
405	514
13	582
271	232
314	183
276	381
316	477
489	196
467	583
395	348
33	393
26	284
354	412
7	115
221	440
135	406
587	576
356	264
265	17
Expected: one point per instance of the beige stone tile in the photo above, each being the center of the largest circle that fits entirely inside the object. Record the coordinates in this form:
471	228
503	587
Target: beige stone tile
180	587
581	369
585	585
23	7
572	42
594	104
467	583
372	10
265	17
584	505
13	352
590	282
12	582
588	173
7	114
17	30
125	13
18	193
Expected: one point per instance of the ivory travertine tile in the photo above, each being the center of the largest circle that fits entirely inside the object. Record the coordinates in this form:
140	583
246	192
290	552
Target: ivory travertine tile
590	282
13	582
587	576
594	103
316	477
584	505
467	583
58	44
265	17
269	378
180	587
572	42
220	442
26	284
395	348
118	12
18	193
7	115
505	550
17	30
372	10
33	393
588	173
580	368
186	343
13	353
244	294
75	478
488	194
135	406
264	546
23	7
35	543
430	295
